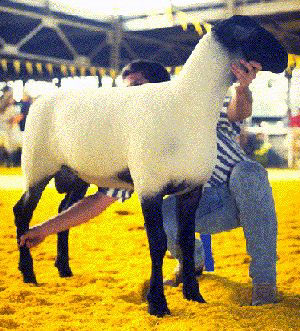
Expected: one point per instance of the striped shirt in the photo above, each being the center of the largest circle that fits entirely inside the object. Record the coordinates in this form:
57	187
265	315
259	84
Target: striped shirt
117	193
229	154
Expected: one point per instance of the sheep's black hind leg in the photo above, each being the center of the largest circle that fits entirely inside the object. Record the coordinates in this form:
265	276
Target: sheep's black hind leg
23	211
186	209
158	246
62	259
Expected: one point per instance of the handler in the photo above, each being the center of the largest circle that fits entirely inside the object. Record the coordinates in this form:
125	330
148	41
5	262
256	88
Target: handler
237	195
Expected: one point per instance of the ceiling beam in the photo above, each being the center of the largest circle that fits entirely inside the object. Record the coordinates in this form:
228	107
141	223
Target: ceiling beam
56	20
216	13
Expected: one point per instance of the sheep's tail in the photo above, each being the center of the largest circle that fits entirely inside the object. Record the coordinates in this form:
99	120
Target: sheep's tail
37	161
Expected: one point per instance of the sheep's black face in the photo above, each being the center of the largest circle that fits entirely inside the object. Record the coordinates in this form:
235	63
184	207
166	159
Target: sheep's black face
241	33
265	49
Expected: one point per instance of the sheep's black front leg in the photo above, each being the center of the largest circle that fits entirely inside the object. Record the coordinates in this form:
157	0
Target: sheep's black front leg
62	259
186	209
23	211
158	246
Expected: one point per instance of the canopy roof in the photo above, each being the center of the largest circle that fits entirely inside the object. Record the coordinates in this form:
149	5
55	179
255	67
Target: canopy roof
39	43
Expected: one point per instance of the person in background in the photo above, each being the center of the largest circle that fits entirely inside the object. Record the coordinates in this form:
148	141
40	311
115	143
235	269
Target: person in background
294	139
25	104
9	118
294	120
258	148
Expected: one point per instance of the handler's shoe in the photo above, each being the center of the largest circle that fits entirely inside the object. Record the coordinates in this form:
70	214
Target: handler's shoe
263	294
176	277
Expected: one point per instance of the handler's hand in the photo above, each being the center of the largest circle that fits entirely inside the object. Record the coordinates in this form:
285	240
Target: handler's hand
245	78
31	238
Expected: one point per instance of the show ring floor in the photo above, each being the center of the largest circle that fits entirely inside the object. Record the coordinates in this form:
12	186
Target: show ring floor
109	257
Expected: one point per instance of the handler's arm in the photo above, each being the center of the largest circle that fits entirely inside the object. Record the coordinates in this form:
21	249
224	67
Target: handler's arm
81	212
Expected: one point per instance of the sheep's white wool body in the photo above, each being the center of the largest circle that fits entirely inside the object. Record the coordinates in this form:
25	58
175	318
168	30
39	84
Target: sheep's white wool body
162	132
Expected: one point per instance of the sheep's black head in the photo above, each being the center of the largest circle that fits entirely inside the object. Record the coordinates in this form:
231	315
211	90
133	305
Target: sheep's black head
244	34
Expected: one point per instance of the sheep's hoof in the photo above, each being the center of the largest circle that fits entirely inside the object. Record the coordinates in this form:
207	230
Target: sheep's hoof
157	305
192	293
198	298
193	296
28	275
29	278
158	310
63	269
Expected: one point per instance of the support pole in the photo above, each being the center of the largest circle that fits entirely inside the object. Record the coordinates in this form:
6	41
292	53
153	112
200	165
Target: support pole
231	8
115	44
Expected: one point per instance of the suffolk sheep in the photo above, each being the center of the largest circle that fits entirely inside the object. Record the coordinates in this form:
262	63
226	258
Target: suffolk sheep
156	138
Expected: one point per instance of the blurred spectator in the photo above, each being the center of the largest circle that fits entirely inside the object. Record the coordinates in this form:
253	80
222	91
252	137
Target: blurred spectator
9	119
294	140
294	121
248	142
25	104
257	147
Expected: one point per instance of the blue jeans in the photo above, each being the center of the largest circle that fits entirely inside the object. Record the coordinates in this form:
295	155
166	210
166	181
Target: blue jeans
245	201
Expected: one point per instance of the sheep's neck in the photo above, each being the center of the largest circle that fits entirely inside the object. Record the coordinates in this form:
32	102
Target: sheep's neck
206	73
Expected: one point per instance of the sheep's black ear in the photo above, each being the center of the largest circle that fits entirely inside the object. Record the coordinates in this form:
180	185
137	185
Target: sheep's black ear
265	49
232	32
244	34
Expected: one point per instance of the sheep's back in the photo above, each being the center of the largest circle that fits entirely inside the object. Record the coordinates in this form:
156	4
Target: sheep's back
87	133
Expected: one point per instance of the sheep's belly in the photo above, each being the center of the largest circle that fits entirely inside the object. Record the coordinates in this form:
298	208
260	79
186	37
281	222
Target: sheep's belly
106	182
196	172
175	173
